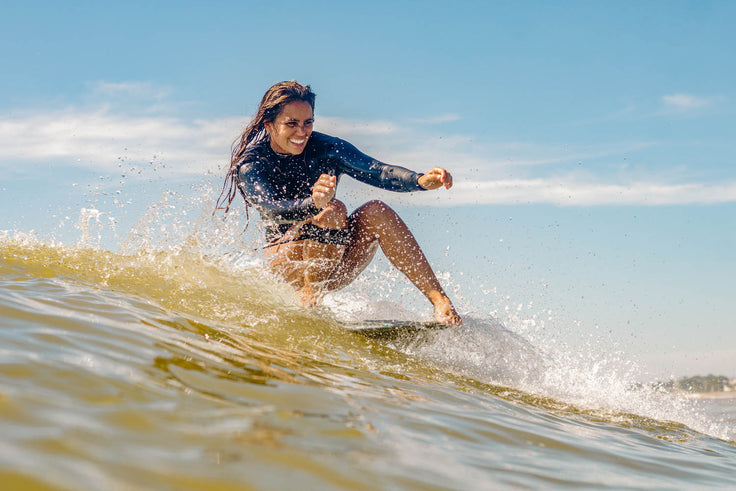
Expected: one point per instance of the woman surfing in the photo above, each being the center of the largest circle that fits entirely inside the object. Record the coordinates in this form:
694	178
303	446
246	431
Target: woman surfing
290	173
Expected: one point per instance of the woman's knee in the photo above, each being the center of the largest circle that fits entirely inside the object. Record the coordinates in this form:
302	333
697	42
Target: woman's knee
376	213
375	208
333	215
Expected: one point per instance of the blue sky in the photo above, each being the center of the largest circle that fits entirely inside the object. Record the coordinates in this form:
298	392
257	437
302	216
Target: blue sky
592	142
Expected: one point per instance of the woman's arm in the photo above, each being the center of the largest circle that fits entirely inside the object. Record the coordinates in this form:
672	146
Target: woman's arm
366	169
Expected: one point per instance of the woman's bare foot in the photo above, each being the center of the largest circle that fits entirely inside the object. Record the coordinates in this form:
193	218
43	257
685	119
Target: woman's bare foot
445	313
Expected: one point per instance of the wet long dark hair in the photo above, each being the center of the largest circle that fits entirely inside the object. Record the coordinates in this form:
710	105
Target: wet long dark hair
274	100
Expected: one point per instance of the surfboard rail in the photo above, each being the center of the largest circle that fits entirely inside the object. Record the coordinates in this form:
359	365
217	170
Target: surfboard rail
388	329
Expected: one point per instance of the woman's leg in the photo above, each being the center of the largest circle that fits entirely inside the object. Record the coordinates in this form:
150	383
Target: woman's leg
374	224
307	264
321	259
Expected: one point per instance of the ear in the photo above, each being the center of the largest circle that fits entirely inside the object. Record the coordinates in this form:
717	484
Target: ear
268	127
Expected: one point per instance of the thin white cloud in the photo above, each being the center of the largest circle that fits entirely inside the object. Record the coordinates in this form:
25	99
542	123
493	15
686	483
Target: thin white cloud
355	127
139	90
568	192
575	193
685	102
100	138
442	118
418	148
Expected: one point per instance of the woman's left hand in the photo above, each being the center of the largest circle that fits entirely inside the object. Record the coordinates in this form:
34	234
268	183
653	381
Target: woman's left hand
436	178
324	190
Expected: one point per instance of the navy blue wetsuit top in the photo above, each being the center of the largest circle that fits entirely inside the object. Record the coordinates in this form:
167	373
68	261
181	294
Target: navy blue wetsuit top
280	186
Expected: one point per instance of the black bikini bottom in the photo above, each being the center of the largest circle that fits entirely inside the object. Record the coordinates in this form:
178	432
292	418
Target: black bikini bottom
308	231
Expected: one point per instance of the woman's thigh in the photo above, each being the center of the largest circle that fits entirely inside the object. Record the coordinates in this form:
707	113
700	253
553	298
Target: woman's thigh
287	261
359	251
294	257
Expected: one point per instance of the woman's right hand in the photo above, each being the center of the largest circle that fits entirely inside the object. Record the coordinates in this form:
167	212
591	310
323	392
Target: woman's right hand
436	178
324	190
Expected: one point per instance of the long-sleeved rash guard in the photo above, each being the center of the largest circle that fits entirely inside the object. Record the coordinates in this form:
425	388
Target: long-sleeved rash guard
280	186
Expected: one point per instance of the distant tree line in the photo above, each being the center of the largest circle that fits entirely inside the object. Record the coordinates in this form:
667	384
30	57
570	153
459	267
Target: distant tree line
701	383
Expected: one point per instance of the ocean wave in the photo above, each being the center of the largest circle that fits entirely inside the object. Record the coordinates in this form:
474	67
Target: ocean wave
188	355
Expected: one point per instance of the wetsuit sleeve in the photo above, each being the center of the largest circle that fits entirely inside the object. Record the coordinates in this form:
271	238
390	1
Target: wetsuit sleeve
259	193
371	171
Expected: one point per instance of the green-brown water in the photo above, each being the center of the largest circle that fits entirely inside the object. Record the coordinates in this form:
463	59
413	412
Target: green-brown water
182	370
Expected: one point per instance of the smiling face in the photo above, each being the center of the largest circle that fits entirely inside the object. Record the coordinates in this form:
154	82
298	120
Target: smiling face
291	129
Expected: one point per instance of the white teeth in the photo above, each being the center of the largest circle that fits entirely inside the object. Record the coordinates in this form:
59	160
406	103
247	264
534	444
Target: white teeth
298	142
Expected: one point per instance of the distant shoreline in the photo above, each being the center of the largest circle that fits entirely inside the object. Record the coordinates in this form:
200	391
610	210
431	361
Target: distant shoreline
730	394
702	387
